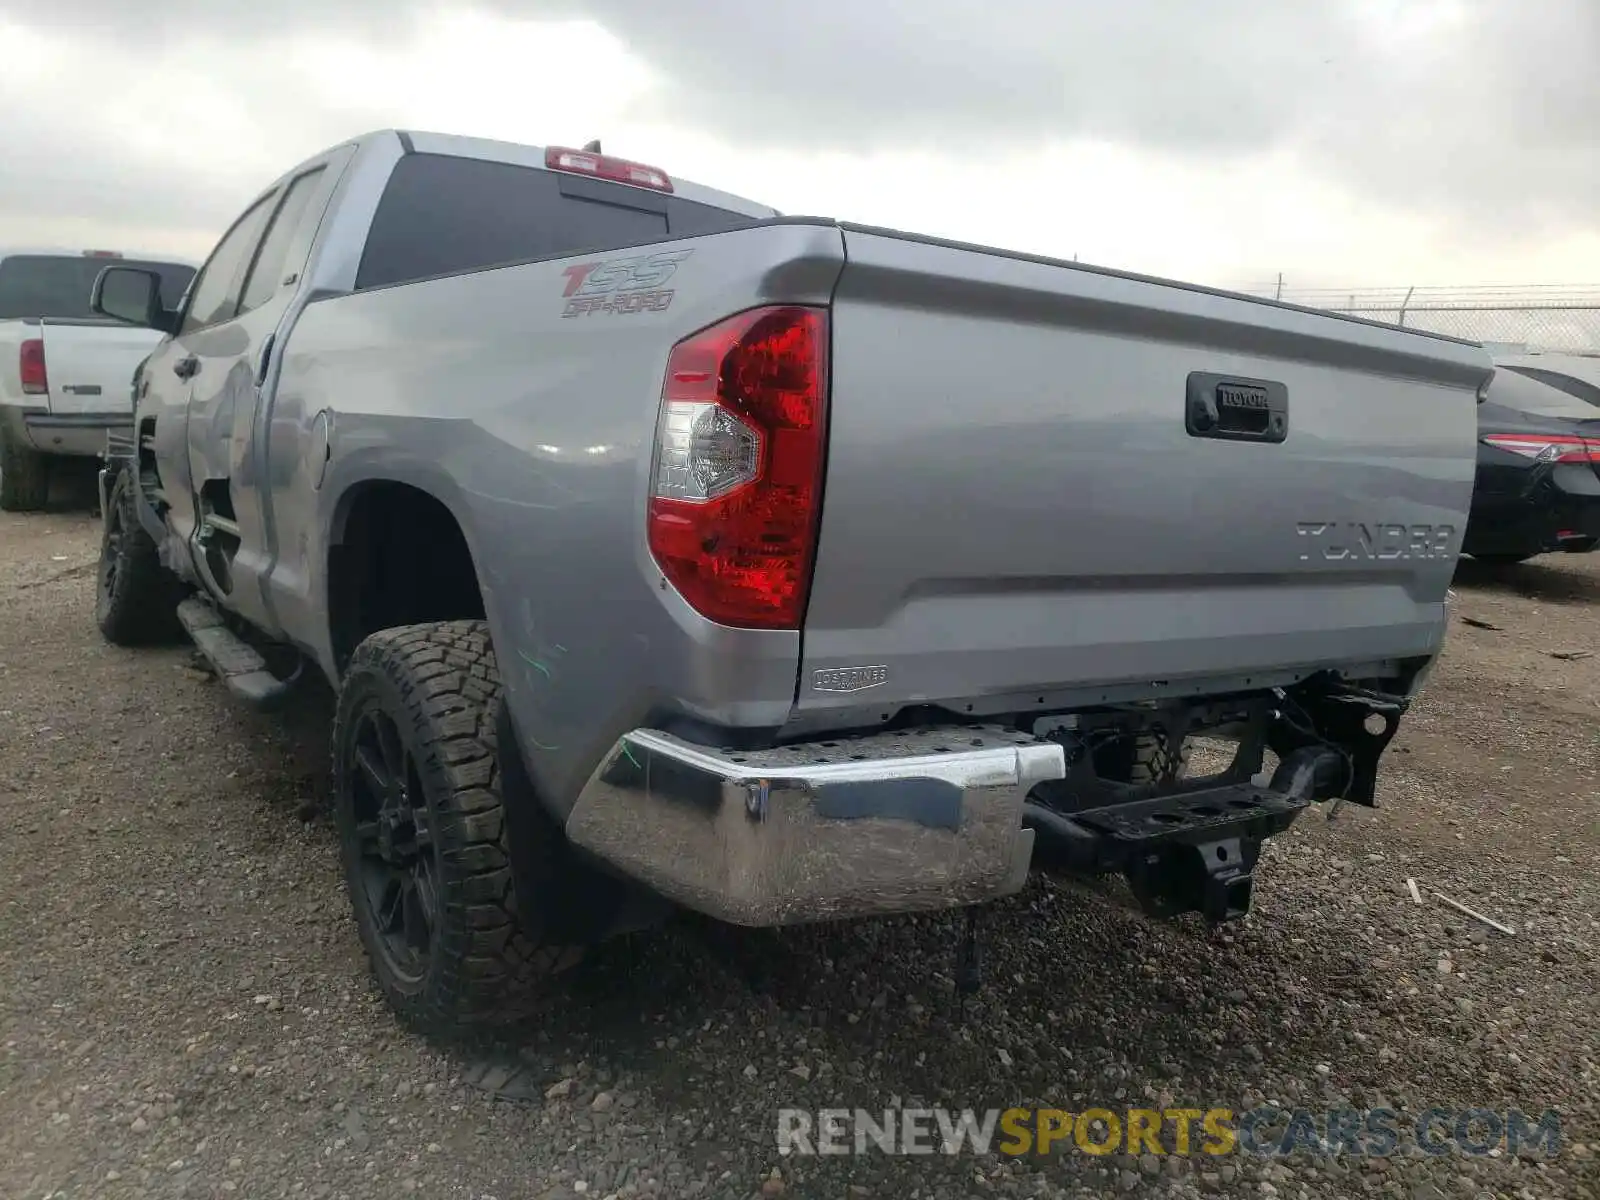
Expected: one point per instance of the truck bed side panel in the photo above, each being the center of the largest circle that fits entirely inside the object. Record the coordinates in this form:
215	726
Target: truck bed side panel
537	430
1014	506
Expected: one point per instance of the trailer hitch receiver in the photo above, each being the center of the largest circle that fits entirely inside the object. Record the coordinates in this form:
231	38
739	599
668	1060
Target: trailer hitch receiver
1214	878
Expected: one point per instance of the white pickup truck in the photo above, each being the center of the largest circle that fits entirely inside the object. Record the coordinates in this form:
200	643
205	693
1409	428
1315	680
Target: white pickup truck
66	375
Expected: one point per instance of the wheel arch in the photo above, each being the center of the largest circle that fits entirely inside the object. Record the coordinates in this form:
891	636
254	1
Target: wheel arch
410	493
399	550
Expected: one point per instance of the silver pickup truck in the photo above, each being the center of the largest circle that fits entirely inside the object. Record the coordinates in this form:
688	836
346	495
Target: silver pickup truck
667	551
66	374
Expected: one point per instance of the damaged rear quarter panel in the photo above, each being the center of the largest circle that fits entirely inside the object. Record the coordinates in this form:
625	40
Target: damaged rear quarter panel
536	429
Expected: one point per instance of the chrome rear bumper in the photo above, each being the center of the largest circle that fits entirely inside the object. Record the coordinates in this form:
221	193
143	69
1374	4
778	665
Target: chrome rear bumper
888	823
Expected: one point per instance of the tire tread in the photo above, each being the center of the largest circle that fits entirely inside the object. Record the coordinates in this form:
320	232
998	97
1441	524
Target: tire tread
142	609
24	475
1154	760
485	962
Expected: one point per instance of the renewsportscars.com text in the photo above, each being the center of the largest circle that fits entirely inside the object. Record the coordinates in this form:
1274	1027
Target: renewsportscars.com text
1266	1131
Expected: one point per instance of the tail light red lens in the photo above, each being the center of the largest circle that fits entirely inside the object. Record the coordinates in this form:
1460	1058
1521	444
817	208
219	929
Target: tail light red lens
737	482
1552	448
30	366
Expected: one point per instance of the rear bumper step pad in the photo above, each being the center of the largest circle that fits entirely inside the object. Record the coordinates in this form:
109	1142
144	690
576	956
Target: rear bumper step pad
1191	852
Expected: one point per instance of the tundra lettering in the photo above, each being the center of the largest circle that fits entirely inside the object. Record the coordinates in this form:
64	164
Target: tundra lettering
1381	541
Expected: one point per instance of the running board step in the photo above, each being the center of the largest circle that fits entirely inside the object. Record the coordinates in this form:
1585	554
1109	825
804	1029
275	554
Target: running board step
1191	851
237	663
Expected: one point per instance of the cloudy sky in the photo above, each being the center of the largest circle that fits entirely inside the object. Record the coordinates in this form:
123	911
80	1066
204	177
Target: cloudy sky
1342	142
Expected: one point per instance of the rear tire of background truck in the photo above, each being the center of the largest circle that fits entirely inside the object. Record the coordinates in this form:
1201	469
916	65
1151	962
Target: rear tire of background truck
24	475
136	598
1502	560
422	831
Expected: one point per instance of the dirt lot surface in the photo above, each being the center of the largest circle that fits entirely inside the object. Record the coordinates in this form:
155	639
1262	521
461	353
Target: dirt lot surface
185	1010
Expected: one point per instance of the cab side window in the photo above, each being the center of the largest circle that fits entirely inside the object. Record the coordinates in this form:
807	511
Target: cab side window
272	262
215	295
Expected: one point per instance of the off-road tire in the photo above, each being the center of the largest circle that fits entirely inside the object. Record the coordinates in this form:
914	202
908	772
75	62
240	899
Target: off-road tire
136	598
1142	759
24	475
1157	759
439	686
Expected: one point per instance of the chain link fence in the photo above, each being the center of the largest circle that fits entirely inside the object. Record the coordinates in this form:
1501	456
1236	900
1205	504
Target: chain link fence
1550	318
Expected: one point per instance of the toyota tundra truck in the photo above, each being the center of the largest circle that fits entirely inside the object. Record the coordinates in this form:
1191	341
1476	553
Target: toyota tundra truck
665	551
66	374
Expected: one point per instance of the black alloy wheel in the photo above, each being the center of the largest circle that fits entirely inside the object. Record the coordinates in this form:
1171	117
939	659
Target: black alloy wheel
398	874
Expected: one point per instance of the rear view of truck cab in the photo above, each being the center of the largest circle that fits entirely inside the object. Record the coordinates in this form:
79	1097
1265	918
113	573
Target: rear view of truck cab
1038	528
66	373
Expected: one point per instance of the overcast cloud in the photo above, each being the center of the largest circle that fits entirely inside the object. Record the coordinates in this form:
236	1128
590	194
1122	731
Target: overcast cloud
1476	121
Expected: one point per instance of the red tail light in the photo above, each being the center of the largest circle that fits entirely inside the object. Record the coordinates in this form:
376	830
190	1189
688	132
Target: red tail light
603	166
30	365
1554	448
737	483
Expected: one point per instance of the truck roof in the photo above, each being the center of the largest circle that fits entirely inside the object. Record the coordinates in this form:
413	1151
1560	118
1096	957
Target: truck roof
524	155
98	252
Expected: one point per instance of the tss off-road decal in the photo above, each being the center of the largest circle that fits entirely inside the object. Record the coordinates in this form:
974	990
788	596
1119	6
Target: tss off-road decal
621	285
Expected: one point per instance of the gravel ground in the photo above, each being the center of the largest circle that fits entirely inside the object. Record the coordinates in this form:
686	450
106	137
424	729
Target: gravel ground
185	1011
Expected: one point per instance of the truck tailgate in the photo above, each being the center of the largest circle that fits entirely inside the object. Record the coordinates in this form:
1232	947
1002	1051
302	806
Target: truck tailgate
91	365
1016	511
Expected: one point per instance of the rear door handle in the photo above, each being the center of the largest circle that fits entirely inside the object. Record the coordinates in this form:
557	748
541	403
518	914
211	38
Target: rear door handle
266	360
186	368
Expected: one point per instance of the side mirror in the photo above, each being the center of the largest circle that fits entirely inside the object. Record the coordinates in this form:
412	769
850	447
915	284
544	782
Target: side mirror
130	295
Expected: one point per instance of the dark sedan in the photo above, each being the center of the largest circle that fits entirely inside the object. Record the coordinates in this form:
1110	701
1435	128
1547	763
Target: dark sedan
1538	483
